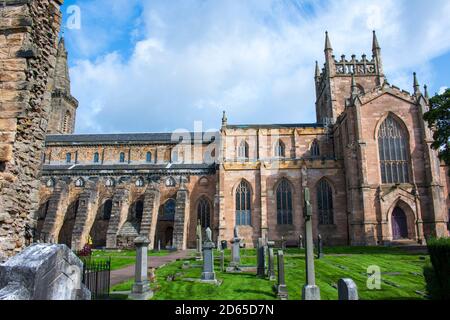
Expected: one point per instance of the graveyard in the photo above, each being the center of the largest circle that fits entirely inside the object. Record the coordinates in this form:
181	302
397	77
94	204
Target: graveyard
402	276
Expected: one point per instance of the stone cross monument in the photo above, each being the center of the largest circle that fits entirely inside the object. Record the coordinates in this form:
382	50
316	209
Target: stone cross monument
141	288
310	290
208	274
235	250
198	255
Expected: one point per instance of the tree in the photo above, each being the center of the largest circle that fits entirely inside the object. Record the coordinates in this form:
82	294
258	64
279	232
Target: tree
438	118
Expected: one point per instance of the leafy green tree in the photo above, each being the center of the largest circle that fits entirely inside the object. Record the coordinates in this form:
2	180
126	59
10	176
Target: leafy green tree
438	118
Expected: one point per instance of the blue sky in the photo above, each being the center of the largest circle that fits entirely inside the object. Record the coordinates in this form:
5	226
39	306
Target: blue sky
158	65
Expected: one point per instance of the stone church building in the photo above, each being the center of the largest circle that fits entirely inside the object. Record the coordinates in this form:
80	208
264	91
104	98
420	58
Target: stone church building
373	176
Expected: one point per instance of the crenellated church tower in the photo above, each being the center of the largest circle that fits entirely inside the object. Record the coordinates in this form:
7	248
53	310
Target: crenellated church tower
64	105
333	82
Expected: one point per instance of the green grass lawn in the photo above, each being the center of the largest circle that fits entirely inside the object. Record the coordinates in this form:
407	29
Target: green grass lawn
401	276
122	258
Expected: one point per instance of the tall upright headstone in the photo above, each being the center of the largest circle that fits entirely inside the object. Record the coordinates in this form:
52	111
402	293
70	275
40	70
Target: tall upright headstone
159	245
271	269
208	274
235	249
310	290
141	287
282	292
319	247
261	263
283	243
347	290
198	255
300	241
222	260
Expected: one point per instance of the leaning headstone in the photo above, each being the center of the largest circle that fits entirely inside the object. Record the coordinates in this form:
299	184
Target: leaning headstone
347	290
141	287
43	272
208	274
319	247
271	269
235	250
300	242
282	292
310	290
261	268
198	255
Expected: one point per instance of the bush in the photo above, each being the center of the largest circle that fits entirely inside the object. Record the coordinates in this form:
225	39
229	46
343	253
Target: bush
438	279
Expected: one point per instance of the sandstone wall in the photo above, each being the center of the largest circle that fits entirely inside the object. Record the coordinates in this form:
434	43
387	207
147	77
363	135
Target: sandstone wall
28	45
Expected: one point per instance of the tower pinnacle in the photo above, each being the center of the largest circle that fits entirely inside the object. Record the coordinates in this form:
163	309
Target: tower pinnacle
328	46
416	85
317	70
375	45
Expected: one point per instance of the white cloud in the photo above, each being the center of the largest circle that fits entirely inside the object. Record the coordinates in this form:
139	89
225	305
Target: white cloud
253	58
442	90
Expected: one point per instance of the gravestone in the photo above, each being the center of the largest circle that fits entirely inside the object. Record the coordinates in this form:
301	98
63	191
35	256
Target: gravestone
141	287
43	272
271	269
319	247
198	255
208	274
283	243
222	260
159	245
235	250
300	242
310	290
261	257
282	292
347	290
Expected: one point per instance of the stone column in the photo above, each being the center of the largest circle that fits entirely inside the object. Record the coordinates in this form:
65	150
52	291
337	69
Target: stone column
181	215
281	287
141	287
119	213
208	274
310	290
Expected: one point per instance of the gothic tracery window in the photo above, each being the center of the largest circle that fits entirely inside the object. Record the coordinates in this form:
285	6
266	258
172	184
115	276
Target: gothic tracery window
393	149
204	212
284	203
243	206
325	203
280	149
243	151
315	150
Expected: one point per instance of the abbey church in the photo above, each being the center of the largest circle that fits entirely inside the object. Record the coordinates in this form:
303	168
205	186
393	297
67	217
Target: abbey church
373	176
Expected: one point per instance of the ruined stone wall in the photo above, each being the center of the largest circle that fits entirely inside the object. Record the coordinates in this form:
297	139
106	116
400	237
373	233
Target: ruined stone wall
28	45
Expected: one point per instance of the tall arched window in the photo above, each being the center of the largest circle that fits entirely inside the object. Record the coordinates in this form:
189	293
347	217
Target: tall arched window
204	213
96	157
168	212
243	151
68	157
139	209
280	149
149	157
66	122
325	202
122	157
243	205
315	150
393	149
284	203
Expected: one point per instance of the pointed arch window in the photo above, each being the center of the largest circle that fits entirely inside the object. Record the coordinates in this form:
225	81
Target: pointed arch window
107	209
149	157
280	149
122	157
243	205
315	150
284	203
325	203
204	212
68	157
243	150
96	157
393	150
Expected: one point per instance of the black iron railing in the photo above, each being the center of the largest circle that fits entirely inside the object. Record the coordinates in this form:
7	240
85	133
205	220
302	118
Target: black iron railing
96	277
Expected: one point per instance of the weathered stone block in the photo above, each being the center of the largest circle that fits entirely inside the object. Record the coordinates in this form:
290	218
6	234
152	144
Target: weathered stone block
43	272
6	152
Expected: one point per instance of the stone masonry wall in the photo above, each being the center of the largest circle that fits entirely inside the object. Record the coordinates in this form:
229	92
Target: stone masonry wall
28	45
